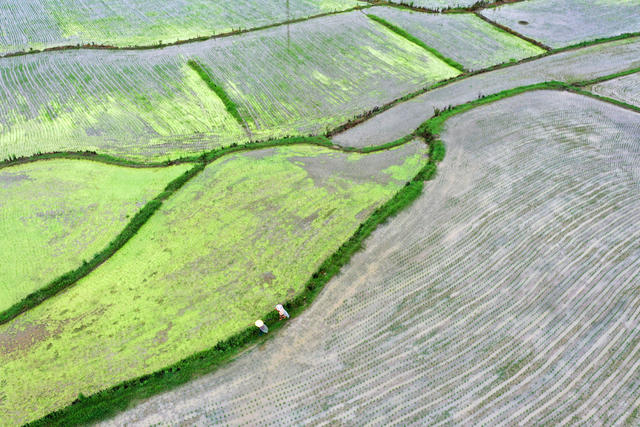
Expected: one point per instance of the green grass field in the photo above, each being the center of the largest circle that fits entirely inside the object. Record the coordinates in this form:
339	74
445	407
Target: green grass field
243	235
57	213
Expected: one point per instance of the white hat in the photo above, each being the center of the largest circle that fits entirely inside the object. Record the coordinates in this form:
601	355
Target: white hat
279	307
259	323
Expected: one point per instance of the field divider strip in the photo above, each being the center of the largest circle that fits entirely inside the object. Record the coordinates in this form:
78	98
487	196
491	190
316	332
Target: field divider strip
595	41
613	101
606	78
478	5
94	46
413	39
513	32
94	157
206	75
108	402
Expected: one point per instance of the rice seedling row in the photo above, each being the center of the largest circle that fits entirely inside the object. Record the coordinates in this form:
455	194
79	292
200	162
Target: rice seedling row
58	213
152	105
559	23
128	104
265	220
439	5
505	294
626	89
315	75
463	37
40	24
570	66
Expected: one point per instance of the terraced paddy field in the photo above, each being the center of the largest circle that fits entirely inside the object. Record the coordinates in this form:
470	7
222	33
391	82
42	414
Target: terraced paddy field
58	213
38	24
463	37
570	67
506	294
315	75
243	235
559	23
151	105
626	89
135	104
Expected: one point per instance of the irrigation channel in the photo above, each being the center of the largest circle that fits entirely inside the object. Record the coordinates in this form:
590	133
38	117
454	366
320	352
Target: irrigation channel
506	293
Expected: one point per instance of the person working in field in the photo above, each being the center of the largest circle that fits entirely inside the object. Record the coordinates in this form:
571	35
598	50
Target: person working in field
282	312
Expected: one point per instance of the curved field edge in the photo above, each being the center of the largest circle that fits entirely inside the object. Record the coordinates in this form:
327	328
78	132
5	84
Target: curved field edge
138	220
108	402
107	158
160	45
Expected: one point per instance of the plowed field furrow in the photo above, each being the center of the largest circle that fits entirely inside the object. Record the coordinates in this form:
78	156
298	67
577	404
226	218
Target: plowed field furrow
571	66
507	294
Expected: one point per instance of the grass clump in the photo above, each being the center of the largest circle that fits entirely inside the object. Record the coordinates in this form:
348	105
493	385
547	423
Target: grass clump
416	41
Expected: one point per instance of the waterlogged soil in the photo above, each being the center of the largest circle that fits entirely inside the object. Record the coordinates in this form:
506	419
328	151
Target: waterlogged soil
559	23
571	66
243	235
625	89
506	294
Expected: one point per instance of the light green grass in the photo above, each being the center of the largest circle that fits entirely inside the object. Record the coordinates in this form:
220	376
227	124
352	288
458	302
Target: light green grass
245	233
57	213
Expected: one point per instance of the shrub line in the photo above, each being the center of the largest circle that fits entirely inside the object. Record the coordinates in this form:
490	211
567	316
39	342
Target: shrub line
91	156
410	37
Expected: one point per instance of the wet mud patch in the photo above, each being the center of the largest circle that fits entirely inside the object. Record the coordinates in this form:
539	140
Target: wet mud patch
21	337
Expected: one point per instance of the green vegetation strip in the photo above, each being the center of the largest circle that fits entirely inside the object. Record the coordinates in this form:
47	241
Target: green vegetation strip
127	233
595	41
606	78
109	402
416	41
621	104
89	155
206	74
